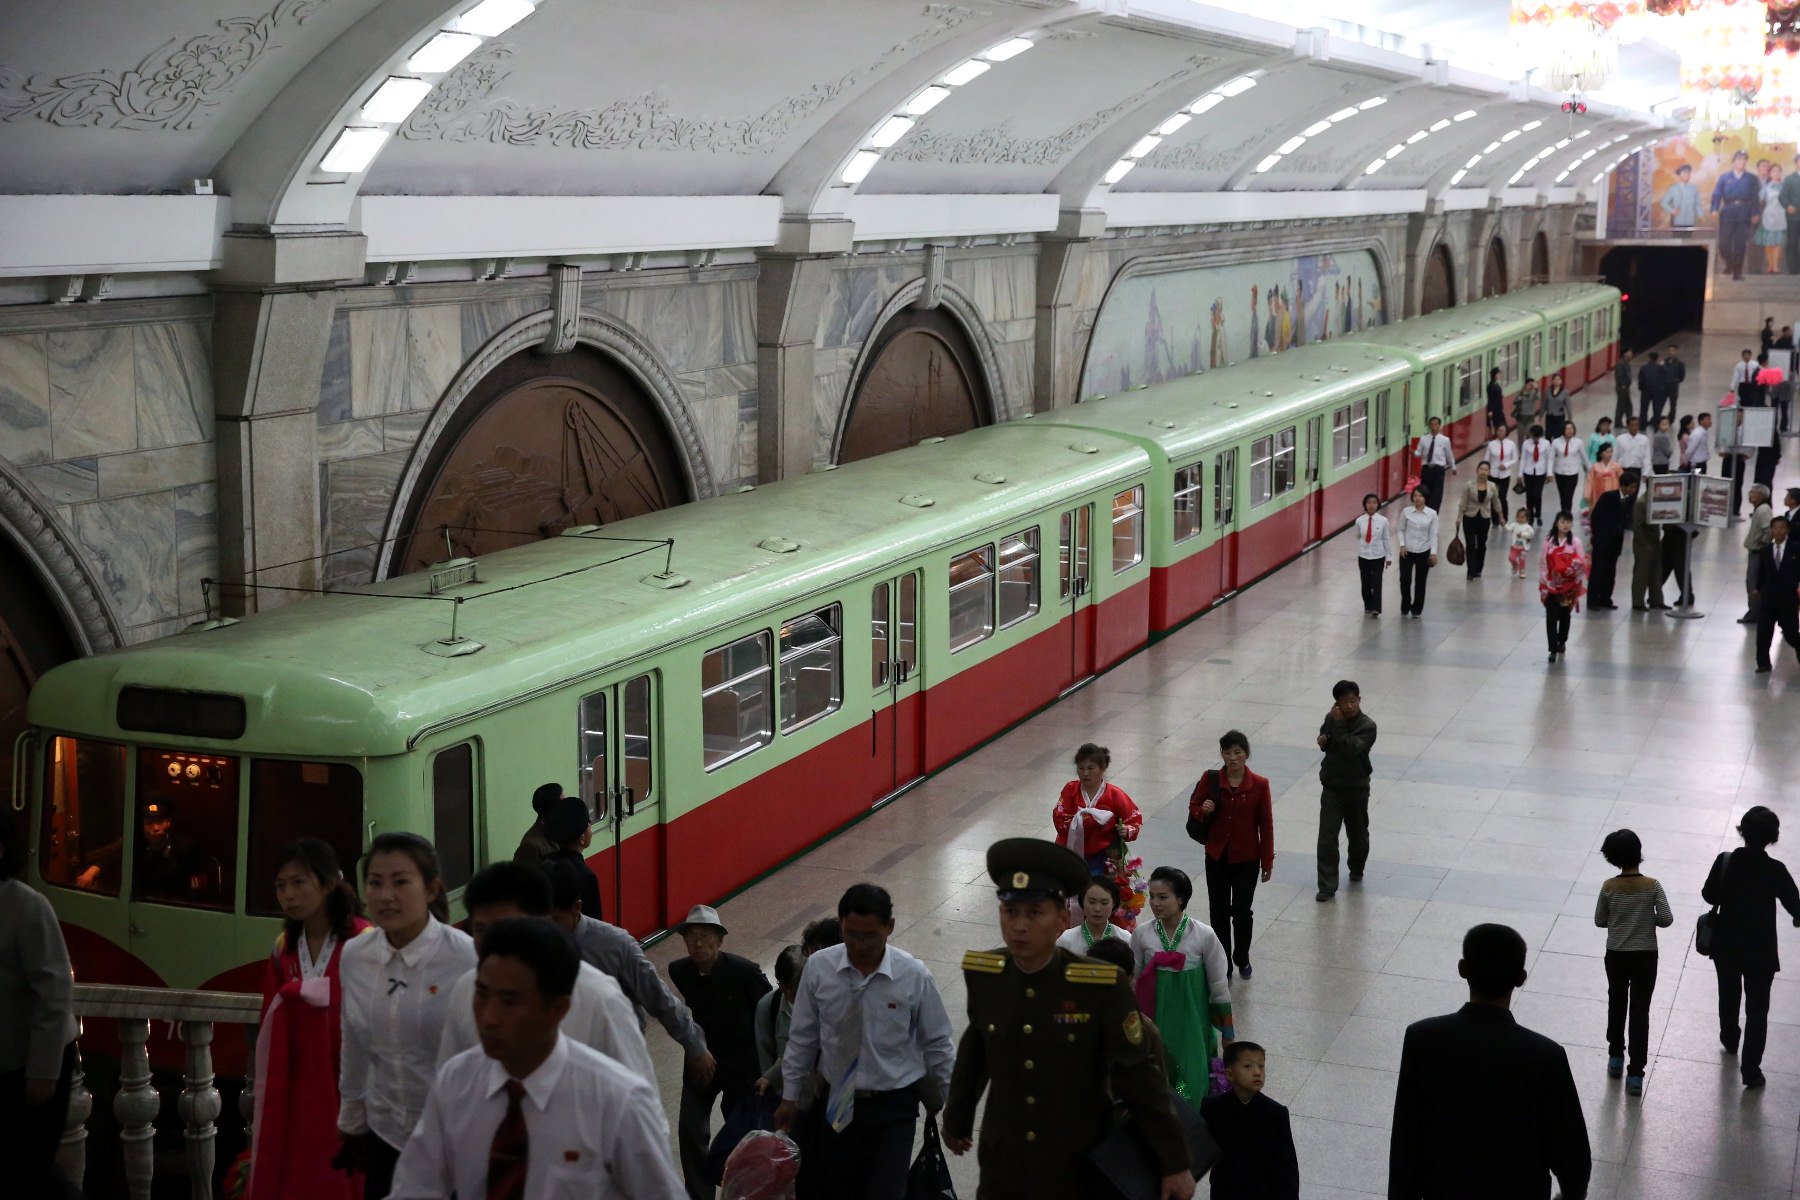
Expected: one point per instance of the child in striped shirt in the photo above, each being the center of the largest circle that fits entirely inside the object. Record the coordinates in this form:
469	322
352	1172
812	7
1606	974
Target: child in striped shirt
1632	907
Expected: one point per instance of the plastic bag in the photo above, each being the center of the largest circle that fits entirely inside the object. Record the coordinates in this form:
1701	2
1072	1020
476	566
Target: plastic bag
763	1167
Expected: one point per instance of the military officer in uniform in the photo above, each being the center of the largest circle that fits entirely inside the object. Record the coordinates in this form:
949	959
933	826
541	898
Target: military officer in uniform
1047	1031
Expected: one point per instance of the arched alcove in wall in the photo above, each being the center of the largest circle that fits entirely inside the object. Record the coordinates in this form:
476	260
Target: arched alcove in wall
924	379
540	444
33	638
1493	274
1540	258
1439	288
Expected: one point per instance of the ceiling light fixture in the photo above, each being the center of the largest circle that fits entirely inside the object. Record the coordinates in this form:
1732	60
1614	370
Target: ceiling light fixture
491	18
859	166
1236	87
355	148
1266	163
927	100
1119	170
1011	48
1143	146
442	52
1173	123
964	72
394	100
891	131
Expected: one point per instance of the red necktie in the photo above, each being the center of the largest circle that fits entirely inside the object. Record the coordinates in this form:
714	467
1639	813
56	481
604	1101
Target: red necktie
1534	452
511	1151
1369	539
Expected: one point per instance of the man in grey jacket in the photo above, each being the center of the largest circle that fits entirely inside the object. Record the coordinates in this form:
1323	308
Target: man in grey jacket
1345	739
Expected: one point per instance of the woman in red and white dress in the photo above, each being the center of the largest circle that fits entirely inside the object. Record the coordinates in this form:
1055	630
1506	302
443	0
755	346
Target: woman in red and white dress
1562	578
1092	814
295	1134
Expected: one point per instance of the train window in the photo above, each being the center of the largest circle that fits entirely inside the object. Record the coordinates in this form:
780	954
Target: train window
735	700
1534	355
639	745
453	813
1072	552
186	841
971	597
1287	472
590	765
292	800
1468	381
1509	364
879	604
1359	429
1187	502
1577	336
1262	463
1224	489
812	667
1555	360
83	820
1340	436
1128	529
1018	577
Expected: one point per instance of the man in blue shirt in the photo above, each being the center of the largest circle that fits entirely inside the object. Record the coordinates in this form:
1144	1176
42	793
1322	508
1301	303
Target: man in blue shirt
1682	201
1736	198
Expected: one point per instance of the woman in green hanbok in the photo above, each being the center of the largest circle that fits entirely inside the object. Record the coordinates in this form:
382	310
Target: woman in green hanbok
1182	983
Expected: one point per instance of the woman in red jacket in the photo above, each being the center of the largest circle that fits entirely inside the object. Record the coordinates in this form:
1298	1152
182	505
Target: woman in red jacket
1232	815
1091	814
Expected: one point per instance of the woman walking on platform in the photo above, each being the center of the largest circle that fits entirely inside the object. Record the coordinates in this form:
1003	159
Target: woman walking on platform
1418	552
1183	984
1480	512
1099	901
1745	884
1603	476
1091	814
1562	578
1231	814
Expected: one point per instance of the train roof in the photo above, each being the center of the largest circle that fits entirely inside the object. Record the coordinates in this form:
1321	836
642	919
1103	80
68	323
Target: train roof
1558	300
361	672
1452	333
1184	415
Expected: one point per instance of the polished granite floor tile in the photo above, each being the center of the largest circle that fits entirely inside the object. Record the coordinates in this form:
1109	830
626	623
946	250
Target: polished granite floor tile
1497	776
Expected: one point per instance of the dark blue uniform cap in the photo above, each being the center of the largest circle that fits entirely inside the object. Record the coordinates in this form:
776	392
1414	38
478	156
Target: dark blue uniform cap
1032	869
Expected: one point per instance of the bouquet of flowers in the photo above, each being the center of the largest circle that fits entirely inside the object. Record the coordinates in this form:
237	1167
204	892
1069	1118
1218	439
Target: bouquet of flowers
1127	870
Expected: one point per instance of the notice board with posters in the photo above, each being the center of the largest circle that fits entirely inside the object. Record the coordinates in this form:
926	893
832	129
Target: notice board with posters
1756	427
1711	504
1669	498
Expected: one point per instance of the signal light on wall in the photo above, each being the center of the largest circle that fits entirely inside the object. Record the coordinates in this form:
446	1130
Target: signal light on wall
1624	297
1576	108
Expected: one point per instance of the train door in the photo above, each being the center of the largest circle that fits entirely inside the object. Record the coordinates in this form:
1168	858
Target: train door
897	726
1225	521
1074	574
622	786
1312	519
184	851
1388	478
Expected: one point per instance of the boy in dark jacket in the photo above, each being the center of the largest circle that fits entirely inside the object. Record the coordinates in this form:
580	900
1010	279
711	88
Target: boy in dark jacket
1256	1143
1345	739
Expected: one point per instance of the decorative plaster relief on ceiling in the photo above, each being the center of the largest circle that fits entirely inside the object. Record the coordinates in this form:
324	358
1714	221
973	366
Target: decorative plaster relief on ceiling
169	88
465	108
995	144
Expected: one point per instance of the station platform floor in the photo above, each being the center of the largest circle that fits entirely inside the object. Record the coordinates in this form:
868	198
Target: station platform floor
1496	776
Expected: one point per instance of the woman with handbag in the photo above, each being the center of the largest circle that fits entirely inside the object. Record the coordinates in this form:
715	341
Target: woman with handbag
1743	887
1562	578
1480	511
1231	814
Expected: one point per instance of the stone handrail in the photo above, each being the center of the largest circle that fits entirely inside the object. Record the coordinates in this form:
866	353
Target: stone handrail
137	1102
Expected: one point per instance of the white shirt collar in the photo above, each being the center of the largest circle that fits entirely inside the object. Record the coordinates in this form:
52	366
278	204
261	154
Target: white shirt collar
419	948
540	1084
885	967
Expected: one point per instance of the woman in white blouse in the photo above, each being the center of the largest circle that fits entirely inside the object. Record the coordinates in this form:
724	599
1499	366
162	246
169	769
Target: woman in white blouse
1099	900
1568	463
1418	552
396	985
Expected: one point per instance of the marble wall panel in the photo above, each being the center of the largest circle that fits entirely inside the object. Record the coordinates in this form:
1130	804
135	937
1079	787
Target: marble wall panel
173	384
131	543
92	378
685	326
67	482
24	399
723	381
351	439
855	297
334	378
378	361
433	353
196	545
739	324
1001	288
1015	362
748	415
156	470
480	322
402	432
358	492
1021	330
716	420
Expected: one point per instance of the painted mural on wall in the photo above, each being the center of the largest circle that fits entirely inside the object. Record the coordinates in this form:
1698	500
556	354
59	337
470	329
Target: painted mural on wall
1678	176
1165	325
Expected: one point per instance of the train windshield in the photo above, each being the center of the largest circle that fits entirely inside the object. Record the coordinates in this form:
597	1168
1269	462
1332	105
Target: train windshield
81	831
187	829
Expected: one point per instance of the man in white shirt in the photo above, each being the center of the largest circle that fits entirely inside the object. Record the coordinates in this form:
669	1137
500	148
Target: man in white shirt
530	1114
1502	458
599	1015
1568	462
869	1020
1436	458
1699	446
1631	449
1745	370
1534	468
1374	552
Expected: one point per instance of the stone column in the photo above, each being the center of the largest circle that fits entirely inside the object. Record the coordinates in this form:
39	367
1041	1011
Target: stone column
1062	256
790	295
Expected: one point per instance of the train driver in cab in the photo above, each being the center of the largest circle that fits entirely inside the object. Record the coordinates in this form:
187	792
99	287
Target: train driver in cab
169	865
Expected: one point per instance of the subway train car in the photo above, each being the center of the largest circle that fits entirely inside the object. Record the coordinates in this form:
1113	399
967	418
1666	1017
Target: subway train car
725	683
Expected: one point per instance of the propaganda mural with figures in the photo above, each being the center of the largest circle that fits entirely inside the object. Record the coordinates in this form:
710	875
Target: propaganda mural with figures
1161	325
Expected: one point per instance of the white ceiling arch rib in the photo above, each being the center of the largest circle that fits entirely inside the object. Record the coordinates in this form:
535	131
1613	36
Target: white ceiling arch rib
1294	133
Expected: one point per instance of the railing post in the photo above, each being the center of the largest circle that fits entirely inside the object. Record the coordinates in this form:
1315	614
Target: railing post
71	1155
136	1106
199	1106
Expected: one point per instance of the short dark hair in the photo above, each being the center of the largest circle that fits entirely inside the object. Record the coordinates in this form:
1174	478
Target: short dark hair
1116	951
1237	1050
1654	356
1234	737
546	795
1777	517
788	965
1632	477
1431	420
1178	882
1493	372
1371	496
1622	849
1090	752
1105	884
1793	494
424	858
541	946
1493	959
1537	431
820	934
866	900
1345	687
508	882
1759	827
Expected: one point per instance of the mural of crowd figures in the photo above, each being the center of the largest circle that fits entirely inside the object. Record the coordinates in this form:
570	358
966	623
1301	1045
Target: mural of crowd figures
1672	186
1154	327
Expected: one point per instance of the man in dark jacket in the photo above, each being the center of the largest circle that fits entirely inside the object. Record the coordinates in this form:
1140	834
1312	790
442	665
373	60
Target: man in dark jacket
1746	884
1675	371
1609	517
1622	388
1653	390
1345	739
1778	578
1486	1109
1646	553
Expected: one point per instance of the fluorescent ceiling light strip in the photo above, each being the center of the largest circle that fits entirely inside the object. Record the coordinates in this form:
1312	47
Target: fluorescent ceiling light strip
1395	151
1173	123
1119	170
964	72
1316	128
1437	126
1011	48
859	166
353	151
1458	177
1343	114
891	131
1292	144
491	18
1375	166
1143	146
442	52
1371	102
1471	163
1238	86
1510	135
1529	126
1418	137
1266	163
927	100
1206	103
1464	115
395	99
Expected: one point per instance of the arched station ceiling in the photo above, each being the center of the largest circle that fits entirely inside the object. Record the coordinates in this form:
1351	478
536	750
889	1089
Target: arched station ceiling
592	127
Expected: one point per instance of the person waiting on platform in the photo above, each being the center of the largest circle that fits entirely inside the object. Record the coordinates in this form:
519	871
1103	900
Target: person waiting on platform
169	866
1778	578
568	830
1607	523
1603	476
1496	405
535	844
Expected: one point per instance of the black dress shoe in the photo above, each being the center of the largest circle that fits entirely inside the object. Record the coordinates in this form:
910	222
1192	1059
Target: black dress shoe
1764	670
1640	608
1356	876
1322	897
1753	1079
1746	619
1244	970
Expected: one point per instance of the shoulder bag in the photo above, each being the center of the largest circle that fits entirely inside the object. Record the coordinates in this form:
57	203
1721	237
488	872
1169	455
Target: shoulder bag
1706	926
1198	827
1123	1166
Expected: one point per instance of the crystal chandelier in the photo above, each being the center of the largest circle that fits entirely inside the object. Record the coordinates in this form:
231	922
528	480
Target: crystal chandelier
1574	43
1723	51
1775	115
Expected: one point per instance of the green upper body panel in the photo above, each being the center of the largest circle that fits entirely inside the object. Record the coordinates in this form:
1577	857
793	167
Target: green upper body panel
1452	334
1556	301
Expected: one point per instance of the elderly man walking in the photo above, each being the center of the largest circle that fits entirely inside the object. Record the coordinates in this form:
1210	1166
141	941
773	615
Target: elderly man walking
1756	536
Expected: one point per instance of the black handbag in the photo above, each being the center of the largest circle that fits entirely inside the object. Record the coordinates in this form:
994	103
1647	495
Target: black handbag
1706	926
929	1178
1123	1167
1200	828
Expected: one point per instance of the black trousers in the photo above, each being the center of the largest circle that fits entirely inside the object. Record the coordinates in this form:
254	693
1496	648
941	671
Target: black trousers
693	1130
1768	617
1630	982
1605	572
1348	811
31	1133
1230	890
1565	488
1621	404
869	1159
1650	411
1475	536
1556	623
1734	236
1792	250
1534	497
1414	568
1370	570
1432	480
1752	987
379	1179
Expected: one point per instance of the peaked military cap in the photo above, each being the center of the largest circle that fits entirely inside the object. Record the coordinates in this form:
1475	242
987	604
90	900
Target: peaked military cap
1032	869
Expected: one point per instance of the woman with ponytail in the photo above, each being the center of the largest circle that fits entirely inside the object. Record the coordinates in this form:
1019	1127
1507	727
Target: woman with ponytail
297	1050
